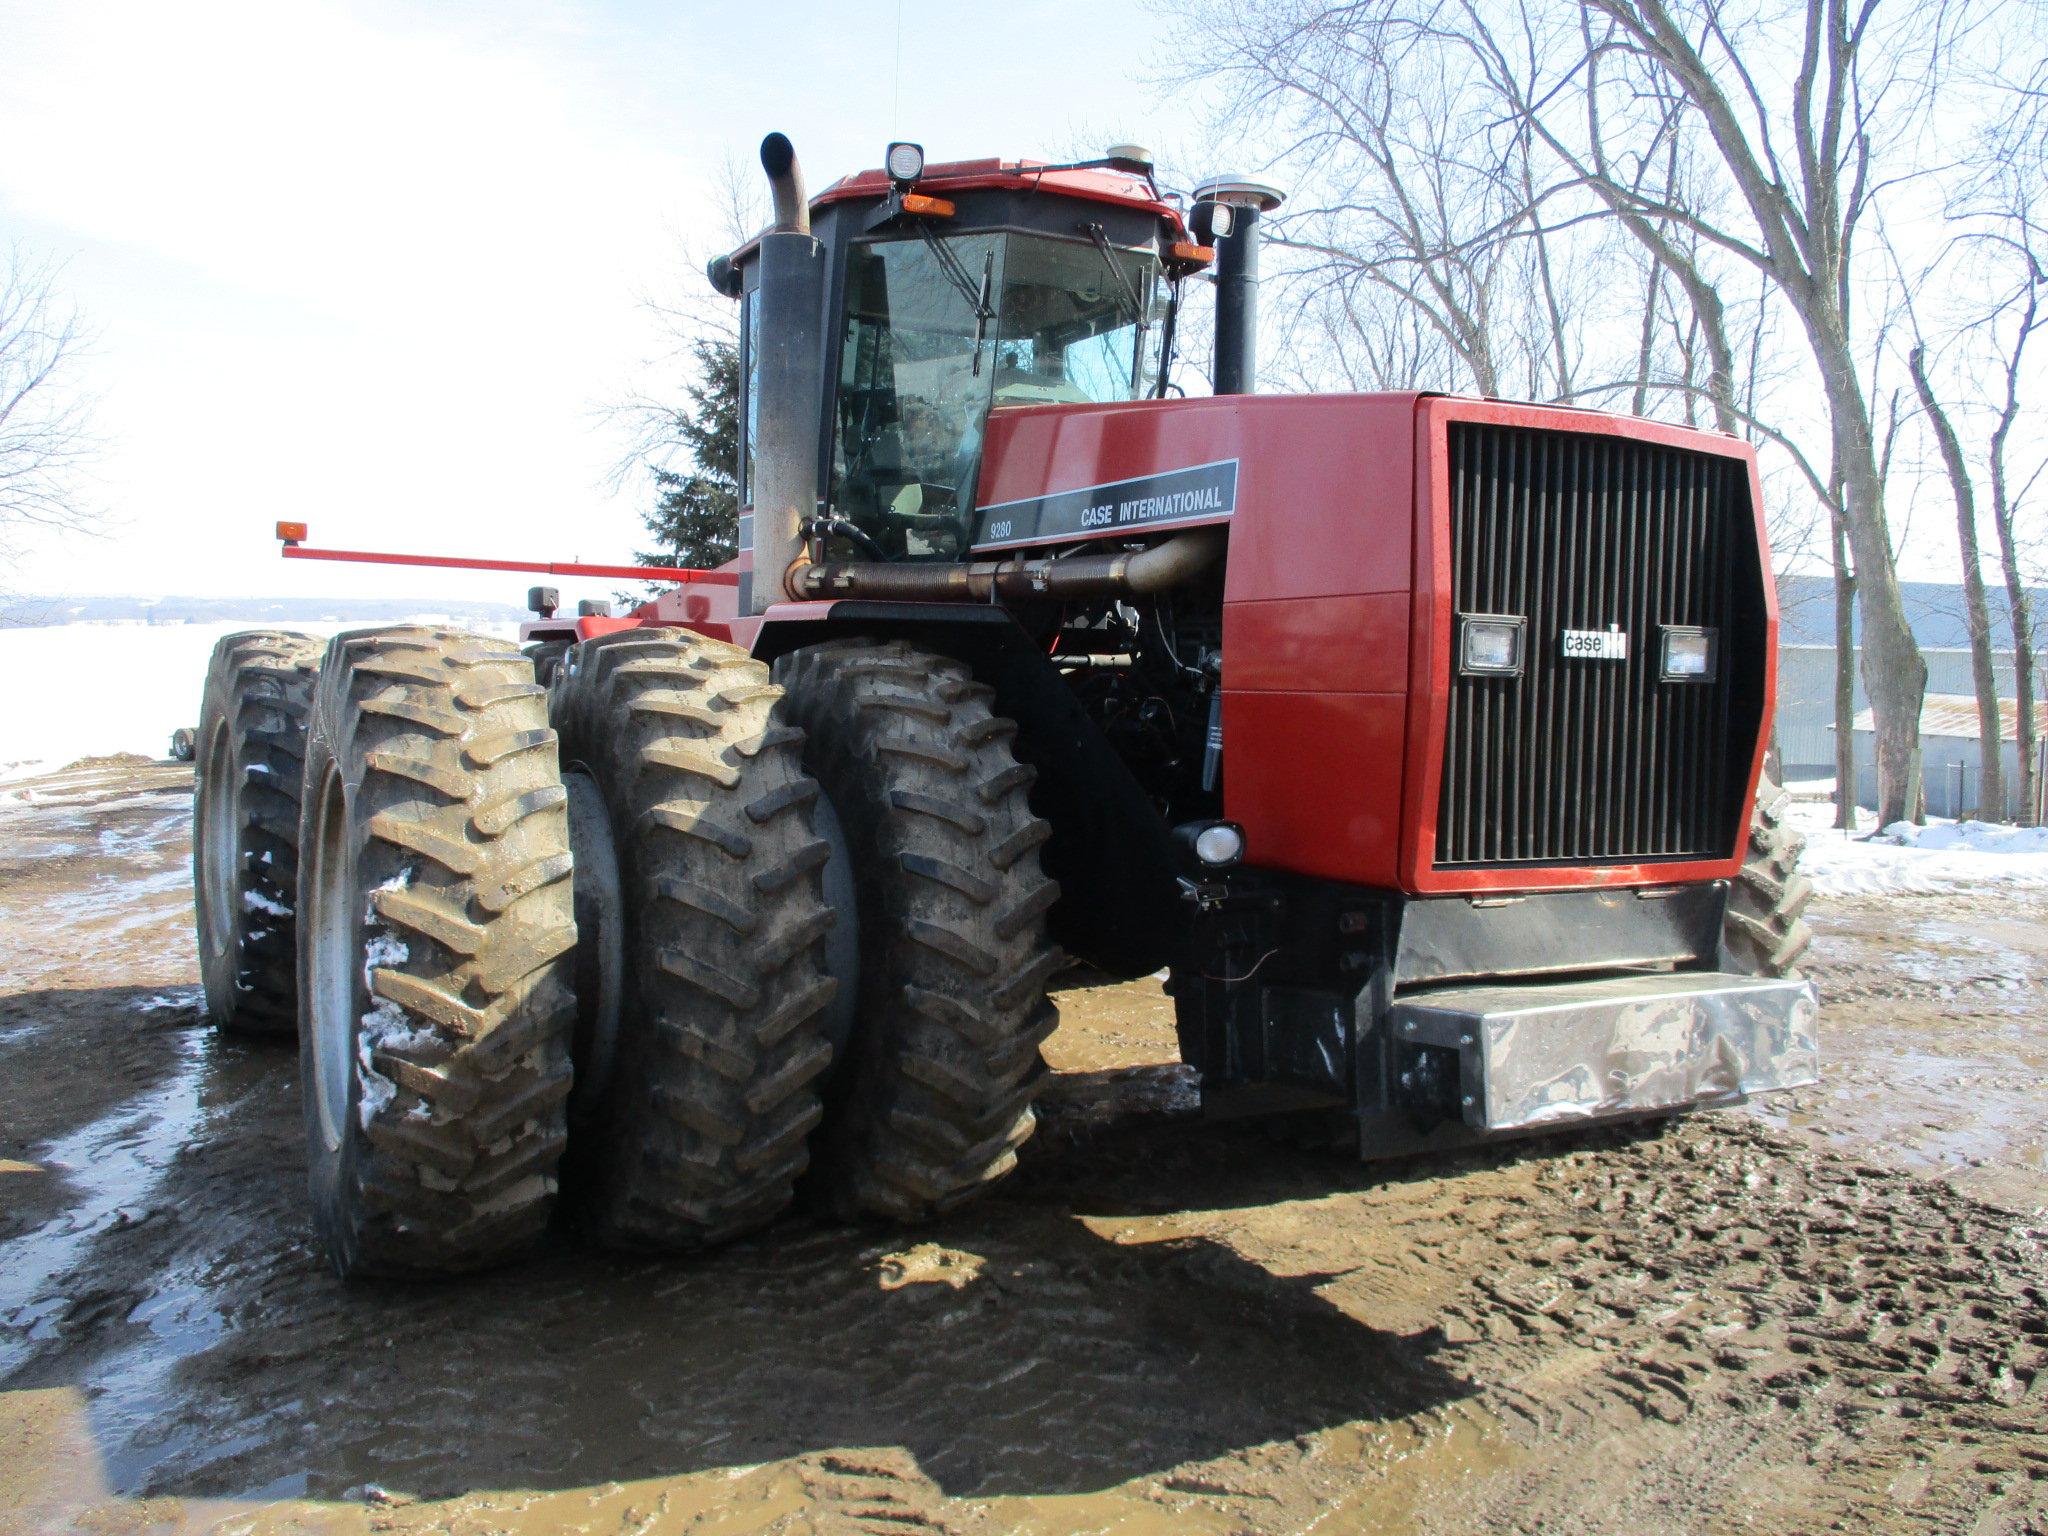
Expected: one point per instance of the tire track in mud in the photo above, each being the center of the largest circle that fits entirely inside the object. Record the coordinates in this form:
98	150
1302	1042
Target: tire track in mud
1159	1325
1813	1342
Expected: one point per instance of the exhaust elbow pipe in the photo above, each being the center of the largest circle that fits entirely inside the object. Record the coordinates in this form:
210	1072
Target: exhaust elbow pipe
785	186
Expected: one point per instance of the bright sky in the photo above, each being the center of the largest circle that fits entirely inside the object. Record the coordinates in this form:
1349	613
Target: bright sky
378	267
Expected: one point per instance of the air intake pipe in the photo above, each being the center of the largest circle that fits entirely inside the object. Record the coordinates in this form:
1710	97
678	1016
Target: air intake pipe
790	369
1227	210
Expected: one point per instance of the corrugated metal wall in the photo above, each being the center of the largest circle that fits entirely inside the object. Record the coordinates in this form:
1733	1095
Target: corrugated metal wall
1806	702
1951	772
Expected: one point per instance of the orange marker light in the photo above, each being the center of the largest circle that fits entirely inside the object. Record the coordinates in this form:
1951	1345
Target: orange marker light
930	207
1182	250
292	533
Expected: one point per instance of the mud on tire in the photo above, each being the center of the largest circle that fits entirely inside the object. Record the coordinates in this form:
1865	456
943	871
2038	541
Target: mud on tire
435	953
245	838
700	1130
1766	933
935	1097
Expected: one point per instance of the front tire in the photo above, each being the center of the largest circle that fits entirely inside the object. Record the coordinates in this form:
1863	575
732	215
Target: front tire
935	1097
434	966
1765	933
250	753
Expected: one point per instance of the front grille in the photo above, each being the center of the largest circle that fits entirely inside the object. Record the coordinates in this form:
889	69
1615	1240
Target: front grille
1595	761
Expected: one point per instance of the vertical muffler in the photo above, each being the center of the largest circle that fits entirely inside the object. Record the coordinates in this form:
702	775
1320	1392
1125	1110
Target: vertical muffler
1227	210
789	361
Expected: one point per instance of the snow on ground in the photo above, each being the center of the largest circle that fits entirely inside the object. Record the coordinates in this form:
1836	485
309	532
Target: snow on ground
91	690
1908	860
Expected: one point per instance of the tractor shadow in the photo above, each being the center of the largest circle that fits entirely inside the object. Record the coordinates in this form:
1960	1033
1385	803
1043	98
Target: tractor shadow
1054	1340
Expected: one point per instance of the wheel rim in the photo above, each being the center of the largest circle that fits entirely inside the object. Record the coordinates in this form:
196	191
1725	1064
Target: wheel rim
217	861
332	958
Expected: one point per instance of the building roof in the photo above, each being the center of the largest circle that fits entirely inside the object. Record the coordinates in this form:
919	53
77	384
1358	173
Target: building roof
1955	714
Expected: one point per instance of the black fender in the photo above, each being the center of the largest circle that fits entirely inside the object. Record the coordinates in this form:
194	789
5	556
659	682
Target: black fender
1109	850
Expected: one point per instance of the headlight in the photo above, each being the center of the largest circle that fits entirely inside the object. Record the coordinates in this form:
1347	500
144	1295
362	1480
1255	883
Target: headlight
1220	844
1689	654
1490	644
904	162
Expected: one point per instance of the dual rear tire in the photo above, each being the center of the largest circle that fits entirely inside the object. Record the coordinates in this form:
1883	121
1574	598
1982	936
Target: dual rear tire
250	754
436	1009
438	961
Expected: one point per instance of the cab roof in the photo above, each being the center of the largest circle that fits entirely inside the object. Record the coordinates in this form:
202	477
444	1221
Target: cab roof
1091	183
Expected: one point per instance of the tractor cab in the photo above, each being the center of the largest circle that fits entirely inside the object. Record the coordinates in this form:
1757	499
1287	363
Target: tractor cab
942	293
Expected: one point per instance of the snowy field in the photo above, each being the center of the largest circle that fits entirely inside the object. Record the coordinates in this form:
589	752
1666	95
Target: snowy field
91	690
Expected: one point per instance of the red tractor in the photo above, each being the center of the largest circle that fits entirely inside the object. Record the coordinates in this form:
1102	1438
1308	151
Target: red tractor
1420	737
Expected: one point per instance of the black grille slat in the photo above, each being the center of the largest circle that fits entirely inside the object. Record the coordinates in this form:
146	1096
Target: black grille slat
1585	761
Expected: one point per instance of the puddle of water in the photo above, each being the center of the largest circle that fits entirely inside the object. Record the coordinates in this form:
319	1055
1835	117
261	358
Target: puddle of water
111	1166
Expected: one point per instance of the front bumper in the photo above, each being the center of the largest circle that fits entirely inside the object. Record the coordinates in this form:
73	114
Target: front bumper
1550	1054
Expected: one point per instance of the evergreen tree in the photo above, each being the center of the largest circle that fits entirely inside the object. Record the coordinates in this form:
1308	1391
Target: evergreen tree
695	516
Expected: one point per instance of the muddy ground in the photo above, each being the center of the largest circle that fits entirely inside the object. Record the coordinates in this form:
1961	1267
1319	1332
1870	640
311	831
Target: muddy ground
1824	1313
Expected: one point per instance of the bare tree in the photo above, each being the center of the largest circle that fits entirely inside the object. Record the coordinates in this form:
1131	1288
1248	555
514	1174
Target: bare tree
45	434
2020	242
684	317
1803	160
1415	248
1976	616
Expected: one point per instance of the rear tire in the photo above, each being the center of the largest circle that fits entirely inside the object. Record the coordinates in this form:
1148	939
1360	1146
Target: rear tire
699	1129
434	969
250	752
546	656
935	1097
1765	933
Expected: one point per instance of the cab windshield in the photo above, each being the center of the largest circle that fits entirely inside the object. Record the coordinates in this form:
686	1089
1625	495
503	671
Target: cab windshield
940	329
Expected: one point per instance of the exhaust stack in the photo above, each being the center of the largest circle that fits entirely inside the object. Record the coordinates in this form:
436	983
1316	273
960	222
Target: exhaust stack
791	371
1227	210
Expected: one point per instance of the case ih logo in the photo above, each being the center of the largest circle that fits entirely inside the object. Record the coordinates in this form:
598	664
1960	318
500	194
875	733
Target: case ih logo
1608	644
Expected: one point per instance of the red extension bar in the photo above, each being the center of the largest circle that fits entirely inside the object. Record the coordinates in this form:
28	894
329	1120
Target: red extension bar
676	573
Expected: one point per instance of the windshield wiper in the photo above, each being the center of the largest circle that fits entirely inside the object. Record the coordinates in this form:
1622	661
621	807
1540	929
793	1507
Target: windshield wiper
1123	278
977	296
949	266
1138	316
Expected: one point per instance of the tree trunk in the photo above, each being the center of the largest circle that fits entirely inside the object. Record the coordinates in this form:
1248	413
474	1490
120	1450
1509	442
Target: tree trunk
1894	674
1845	678
1991	775
2019	610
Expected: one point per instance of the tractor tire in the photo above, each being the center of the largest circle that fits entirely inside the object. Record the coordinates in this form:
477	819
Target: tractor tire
1765	932
709	1092
546	656
935	1096
250	752
436	955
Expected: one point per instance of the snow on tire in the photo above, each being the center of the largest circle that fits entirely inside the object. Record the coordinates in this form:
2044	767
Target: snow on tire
435	953
245	839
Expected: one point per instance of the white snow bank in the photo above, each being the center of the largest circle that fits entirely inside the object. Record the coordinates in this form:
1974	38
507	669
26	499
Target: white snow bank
92	690
1979	836
1904	859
